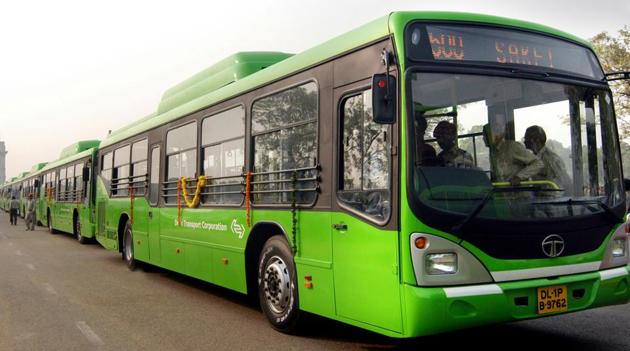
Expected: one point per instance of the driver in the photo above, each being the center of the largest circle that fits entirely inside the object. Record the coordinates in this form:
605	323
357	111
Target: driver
451	155
511	161
554	170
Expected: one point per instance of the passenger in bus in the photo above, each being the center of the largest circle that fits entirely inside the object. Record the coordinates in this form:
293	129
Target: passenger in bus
554	169
510	160
425	153
451	155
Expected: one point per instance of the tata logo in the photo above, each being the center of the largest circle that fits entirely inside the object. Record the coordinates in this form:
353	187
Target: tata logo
553	245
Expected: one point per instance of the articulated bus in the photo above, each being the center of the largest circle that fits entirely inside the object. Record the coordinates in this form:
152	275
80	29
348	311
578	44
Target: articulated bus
426	172
66	200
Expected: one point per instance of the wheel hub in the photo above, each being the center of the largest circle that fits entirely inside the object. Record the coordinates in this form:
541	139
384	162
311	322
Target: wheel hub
276	285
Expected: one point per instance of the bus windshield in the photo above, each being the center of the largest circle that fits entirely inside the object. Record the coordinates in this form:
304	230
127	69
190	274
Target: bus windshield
505	148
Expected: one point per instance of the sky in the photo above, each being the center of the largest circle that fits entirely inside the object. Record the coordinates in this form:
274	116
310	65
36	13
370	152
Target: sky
72	70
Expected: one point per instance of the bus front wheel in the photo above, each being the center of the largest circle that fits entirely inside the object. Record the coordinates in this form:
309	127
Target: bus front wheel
277	289
127	249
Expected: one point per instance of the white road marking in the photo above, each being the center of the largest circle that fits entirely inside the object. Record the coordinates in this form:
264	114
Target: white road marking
89	334
30	266
50	288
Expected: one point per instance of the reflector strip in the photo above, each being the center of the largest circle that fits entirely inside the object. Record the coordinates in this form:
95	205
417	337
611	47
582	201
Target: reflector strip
613	273
490	289
521	274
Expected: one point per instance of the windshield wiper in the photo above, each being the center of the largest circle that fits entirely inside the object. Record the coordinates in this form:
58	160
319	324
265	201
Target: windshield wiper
609	211
458	228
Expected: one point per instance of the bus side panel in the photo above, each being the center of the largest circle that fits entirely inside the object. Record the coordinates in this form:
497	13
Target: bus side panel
103	236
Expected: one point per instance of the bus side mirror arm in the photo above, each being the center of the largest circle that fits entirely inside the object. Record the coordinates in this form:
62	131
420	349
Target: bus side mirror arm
384	92
621	75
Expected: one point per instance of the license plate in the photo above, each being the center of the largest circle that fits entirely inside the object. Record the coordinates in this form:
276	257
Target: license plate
552	299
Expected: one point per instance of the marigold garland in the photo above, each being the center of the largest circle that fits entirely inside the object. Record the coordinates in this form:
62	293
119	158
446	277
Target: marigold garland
195	201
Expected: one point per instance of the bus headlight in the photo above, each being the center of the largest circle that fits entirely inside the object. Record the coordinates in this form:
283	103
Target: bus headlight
441	263
619	248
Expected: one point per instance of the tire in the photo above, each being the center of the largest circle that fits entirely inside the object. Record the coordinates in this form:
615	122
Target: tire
77	232
51	230
277	286
127	248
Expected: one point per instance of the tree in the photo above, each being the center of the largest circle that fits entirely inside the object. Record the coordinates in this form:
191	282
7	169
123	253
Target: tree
614	54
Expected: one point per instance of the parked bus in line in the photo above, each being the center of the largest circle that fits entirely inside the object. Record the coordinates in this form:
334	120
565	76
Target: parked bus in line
379	178
66	201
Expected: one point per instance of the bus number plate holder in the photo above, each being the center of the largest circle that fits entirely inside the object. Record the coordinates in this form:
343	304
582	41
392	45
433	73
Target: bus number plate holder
552	299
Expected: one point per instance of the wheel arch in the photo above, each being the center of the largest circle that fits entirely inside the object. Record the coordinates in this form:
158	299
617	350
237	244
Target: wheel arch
258	236
122	222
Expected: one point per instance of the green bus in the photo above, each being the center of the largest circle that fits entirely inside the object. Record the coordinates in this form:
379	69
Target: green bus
17	187
66	200
379	178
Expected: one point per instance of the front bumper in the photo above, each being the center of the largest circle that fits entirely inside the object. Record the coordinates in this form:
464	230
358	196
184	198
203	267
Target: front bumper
436	310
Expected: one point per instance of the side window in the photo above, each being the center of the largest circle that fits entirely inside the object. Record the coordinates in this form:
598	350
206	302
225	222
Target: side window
365	167
223	150
70	183
78	181
155	176
120	173
139	152
62	185
106	170
181	157
284	131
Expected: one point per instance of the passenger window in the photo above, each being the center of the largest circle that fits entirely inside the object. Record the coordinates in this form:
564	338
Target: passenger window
284	129
155	176
120	176
181	157
365	168
106	170
223	147
139	166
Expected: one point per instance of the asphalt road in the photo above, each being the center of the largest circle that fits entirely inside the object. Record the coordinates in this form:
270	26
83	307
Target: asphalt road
56	294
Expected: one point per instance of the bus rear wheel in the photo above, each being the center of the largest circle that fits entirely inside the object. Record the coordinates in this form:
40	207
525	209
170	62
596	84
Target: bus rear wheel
51	229
277	289
77	231
127	249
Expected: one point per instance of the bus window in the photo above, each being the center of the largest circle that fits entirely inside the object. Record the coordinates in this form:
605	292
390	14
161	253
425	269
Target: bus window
70	184
106	169
284	129
120	174
181	157
223	148
139	152
155	176
365	160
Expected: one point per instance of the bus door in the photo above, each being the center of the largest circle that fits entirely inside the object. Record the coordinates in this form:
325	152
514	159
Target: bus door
364	230
153	226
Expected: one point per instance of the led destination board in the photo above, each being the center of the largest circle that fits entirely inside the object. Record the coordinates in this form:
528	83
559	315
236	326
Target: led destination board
461	43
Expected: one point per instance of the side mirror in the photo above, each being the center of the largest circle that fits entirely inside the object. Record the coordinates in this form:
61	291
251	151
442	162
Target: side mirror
626	184
384	98
86	174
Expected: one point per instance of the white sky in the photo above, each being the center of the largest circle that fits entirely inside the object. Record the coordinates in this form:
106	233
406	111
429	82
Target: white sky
72	70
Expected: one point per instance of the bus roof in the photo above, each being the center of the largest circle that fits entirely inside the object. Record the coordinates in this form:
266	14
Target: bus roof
38	167
78	147
198	92
69	159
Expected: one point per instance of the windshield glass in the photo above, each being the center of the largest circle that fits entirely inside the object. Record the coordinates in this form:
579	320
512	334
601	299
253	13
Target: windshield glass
513	148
